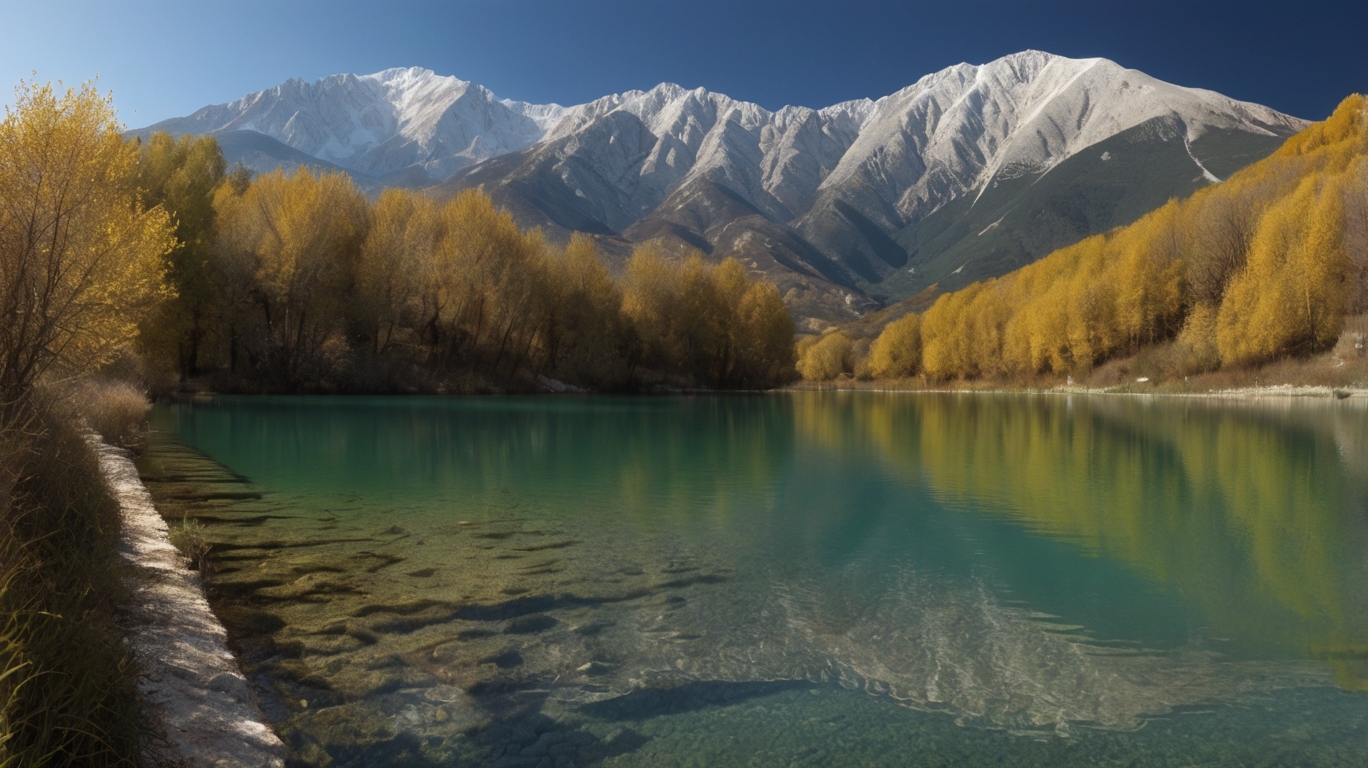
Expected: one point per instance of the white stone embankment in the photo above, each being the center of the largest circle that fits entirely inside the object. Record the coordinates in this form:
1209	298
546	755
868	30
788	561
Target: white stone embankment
202	704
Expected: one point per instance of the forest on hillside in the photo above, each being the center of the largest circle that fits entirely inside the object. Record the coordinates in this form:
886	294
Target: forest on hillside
1265	265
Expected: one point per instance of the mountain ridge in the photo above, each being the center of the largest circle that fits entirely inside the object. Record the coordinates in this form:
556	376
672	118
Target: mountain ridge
381	123
847	180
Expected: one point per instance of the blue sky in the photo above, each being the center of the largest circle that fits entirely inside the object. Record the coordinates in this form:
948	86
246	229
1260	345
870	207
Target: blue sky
164	59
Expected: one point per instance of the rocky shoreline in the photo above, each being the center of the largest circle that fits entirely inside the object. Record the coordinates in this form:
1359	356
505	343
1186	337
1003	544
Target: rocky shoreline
203	707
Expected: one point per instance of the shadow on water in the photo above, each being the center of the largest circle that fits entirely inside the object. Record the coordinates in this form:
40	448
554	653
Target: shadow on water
521	734
517	734
523	606
656	702
405	750
533	737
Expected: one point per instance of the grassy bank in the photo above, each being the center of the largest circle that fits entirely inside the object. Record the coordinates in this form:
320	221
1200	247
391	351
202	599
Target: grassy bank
67	683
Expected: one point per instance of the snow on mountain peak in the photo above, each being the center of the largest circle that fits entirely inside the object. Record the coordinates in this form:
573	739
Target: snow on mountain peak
383	122
949	134
954	130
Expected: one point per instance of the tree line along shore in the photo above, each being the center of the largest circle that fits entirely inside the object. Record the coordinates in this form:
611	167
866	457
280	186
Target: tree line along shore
300	283
126	263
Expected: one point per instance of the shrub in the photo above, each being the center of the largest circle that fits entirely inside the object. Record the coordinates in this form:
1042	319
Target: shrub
896	353
1196	345
115	410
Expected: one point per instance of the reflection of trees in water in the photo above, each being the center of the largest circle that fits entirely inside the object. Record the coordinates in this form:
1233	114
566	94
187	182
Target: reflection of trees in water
1253	511
780	538
646	457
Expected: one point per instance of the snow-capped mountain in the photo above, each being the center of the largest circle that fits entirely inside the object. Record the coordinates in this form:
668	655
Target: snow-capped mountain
855	203
382	123
950	133
954	131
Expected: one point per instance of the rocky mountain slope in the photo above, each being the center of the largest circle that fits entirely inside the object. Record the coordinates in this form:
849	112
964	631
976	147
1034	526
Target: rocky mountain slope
389	123
968	173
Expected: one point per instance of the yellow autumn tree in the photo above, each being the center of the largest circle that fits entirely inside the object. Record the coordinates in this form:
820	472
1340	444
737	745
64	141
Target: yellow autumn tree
1196	342
650	299
182	176
704	315
986	327
294	240
661	297
707	323
587	340
81	260
825	358
388	278
1147	272
480	285
1339	135
1222	228
1290	296
1034	335
947	344
762	339
896	353
459	279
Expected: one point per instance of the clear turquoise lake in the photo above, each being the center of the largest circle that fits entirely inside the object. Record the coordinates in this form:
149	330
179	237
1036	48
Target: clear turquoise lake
787	579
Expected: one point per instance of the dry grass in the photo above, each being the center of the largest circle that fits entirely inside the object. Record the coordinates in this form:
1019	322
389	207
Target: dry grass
1167	368
67	683
115	410
188	537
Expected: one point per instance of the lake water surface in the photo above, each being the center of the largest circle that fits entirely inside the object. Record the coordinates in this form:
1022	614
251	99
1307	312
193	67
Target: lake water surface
803	578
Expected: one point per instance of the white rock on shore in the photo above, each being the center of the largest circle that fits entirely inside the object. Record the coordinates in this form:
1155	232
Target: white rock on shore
191	683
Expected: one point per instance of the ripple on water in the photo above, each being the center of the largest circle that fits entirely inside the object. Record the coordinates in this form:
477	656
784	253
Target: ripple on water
508	641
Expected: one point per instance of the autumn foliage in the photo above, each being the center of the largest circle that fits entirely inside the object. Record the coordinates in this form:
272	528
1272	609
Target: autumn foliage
82	263
1264	265
710	323
306	284
81	258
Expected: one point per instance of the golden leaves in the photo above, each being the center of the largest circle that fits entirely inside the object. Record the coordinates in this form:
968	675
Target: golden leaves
1254	268
707	322
80	259
896	353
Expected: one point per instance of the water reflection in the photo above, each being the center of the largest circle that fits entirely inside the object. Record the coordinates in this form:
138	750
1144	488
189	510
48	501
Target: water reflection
418	569
1256	512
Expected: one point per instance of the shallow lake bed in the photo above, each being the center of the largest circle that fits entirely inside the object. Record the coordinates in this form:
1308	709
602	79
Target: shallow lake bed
823	578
